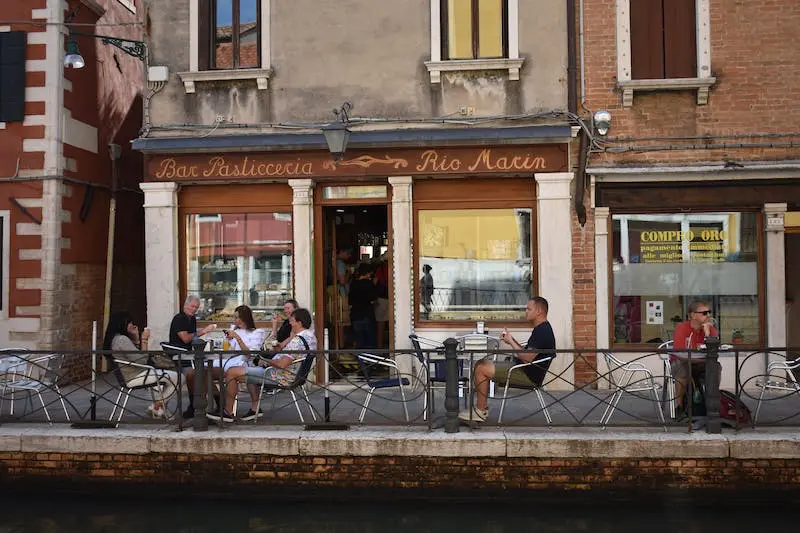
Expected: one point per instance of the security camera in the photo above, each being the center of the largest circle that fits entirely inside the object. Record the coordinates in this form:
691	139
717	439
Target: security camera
602	121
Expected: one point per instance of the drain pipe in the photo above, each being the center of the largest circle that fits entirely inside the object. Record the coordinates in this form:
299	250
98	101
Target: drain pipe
572	106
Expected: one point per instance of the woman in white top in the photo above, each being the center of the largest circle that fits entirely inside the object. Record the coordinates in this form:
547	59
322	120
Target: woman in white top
243	337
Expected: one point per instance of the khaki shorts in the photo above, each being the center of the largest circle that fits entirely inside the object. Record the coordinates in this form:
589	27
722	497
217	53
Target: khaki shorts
382	310
519	378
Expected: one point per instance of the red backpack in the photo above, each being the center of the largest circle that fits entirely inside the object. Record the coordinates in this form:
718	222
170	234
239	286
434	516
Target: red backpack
728	410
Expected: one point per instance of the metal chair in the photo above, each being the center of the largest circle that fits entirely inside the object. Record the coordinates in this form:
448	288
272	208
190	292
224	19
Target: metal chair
368	361
544	361
668	387
299	382
34	374
115	366
435	369
625	383
790	384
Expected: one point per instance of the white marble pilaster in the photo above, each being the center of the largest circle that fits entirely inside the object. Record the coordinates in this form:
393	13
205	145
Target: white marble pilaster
161	257
402	269
554	237
776	273
302	236
601	223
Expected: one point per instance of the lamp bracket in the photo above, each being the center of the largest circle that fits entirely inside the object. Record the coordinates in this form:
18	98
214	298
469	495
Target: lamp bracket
343	112
133	48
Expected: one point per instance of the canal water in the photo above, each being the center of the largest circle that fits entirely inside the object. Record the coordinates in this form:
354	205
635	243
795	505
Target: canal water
92	515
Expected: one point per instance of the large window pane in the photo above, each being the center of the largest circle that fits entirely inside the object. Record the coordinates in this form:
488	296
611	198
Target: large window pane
663	262
474	264
248	34
490	28
235	259
223	34
459	29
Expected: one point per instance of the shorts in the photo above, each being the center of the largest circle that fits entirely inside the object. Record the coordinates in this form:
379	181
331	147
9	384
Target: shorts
519	378
256	375
382	310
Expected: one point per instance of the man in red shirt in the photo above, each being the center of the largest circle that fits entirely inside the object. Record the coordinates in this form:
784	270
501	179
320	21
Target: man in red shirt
689	335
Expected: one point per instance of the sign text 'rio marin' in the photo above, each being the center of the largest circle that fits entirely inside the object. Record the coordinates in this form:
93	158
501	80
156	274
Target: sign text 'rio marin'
500	160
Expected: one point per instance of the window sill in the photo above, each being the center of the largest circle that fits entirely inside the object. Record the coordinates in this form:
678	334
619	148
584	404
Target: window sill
702	85
435	68
189	79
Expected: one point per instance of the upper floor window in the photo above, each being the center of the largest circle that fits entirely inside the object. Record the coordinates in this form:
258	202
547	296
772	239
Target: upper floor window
664	45
663	39
230	34
474	35
474	29
228	41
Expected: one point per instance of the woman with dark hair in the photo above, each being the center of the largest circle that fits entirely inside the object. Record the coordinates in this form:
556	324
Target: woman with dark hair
242	337
122	335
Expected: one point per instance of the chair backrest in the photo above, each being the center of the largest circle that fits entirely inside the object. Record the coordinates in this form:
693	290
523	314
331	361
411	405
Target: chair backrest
171	349
302	373
614	365
417	348
45	369
115	370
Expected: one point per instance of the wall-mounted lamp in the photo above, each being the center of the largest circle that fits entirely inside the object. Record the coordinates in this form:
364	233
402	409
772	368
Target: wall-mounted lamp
74	59
336	133
602	121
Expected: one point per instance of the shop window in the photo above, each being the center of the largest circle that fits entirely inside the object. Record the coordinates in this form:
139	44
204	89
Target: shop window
239	258
473	29
474	264
662	262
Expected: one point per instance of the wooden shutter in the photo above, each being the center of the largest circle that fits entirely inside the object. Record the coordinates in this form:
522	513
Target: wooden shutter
647	39
205	16
12	76
680	39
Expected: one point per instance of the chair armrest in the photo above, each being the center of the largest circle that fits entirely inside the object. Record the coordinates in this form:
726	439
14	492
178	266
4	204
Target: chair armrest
377	360
135	365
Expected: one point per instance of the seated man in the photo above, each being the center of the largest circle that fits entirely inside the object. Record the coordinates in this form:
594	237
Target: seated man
542	338
689	335
275	371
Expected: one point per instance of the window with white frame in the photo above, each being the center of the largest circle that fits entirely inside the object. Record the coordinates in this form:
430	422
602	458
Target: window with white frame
228	40
474	35
663	45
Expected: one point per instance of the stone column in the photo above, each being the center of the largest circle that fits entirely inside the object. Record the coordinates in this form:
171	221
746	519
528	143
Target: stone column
302	237
402	269
161	257
601	223
776	274
554	237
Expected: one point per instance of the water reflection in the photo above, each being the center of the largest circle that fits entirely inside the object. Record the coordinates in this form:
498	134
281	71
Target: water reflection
96	516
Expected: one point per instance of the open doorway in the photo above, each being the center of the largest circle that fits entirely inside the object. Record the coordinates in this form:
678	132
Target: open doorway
792	258
356	246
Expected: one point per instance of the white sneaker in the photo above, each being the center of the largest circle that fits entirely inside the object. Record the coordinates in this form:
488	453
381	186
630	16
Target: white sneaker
155	412
474	415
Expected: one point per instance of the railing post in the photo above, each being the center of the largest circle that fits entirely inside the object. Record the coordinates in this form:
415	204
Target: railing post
451	386
200	422
712	385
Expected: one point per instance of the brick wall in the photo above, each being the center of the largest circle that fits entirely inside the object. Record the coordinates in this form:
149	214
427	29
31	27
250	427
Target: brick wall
583	297
410	476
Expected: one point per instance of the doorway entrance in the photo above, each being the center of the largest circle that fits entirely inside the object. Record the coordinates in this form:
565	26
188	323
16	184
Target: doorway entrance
355	245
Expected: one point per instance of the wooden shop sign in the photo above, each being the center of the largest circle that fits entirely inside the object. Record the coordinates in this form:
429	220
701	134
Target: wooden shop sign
506	160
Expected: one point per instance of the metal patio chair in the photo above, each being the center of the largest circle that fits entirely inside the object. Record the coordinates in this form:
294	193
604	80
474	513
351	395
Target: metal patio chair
299	383
786	382
535	388
668	387
33	375
435	369
115	366
367	362
621	377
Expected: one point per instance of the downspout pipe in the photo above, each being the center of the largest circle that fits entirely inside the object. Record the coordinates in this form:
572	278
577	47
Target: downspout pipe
572	106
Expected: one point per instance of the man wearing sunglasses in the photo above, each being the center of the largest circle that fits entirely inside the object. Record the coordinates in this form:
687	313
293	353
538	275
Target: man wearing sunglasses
689	335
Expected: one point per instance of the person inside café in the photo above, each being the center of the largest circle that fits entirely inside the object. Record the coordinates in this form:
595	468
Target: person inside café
283	333
540	346
275	371
242	337
690	335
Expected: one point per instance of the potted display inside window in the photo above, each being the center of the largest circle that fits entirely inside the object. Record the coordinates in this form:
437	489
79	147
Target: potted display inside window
737	336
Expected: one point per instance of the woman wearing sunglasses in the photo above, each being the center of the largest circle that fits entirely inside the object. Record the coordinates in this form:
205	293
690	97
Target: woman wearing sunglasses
689	335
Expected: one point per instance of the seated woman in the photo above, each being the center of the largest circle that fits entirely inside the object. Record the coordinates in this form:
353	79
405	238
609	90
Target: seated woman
122	335
244	337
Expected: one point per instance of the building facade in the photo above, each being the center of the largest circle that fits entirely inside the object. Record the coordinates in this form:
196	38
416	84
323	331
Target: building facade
458	171
696	184
55	168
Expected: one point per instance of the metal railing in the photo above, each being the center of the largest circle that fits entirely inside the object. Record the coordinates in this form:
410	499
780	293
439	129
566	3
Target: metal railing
623	388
